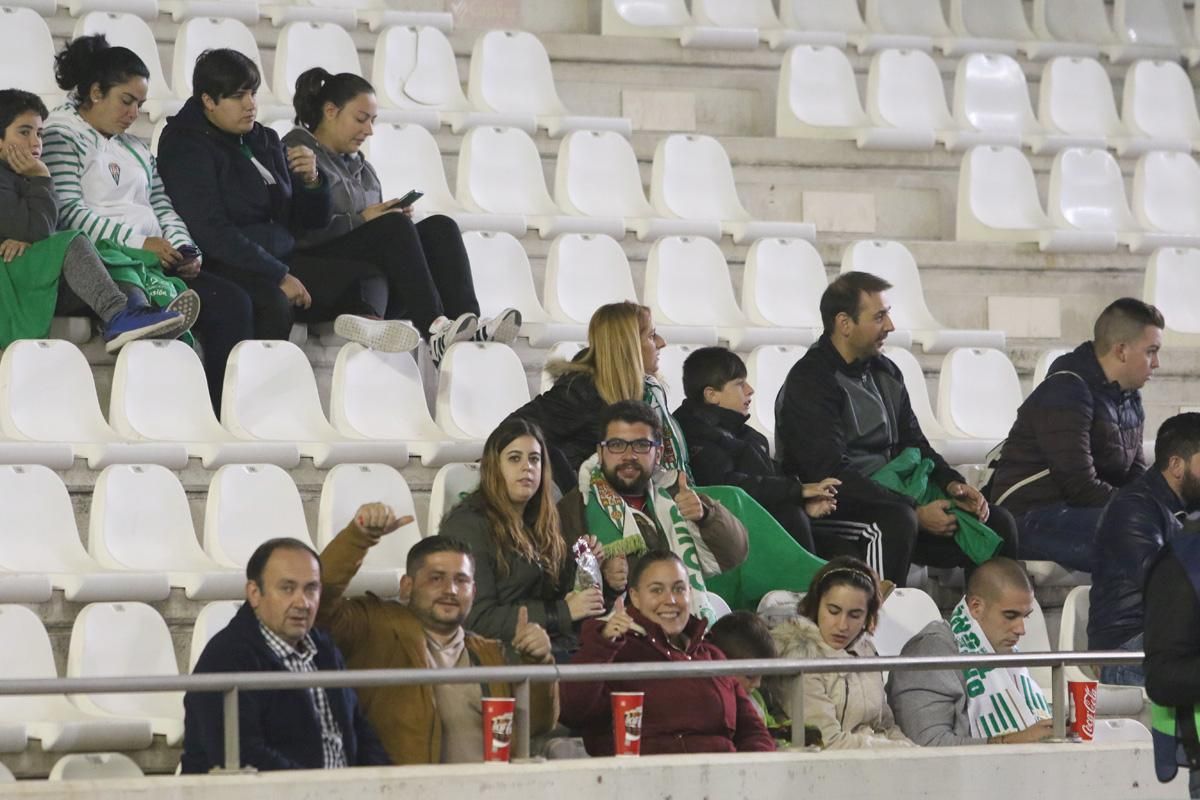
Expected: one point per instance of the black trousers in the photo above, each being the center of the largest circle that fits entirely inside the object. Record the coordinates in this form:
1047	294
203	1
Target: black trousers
793	519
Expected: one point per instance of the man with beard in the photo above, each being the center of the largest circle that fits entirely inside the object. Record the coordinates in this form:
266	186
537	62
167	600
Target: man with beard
1142	517
843	412
617	502
424	724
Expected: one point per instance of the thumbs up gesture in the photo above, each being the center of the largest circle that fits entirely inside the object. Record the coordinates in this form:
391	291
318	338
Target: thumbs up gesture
378	519
687	501
530	640
619	623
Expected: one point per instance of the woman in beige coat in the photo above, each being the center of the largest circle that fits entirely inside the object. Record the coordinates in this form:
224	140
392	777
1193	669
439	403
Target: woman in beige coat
837	617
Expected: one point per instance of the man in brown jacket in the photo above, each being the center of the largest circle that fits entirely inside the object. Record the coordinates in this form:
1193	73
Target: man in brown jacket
423	724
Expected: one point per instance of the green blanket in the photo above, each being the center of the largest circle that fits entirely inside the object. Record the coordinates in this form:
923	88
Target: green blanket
29	289
908	474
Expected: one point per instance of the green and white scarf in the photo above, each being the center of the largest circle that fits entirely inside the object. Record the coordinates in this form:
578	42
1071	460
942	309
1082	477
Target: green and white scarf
999	701
611	520
674	447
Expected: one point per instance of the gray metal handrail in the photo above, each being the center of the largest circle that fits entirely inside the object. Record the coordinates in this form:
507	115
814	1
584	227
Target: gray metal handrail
230	683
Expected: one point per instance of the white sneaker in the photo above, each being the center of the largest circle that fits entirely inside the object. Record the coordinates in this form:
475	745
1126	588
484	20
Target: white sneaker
188	305
449	332
386	335
502	328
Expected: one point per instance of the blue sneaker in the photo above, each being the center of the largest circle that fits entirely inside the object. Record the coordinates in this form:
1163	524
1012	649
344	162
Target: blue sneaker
141	322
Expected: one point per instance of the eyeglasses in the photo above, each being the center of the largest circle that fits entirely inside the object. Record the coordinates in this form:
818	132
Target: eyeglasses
619	446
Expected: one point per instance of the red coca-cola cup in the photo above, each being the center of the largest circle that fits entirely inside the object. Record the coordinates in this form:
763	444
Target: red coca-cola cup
498	727
1083	708
627	722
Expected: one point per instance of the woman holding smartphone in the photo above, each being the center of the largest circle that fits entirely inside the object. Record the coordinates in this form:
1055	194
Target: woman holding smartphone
426	266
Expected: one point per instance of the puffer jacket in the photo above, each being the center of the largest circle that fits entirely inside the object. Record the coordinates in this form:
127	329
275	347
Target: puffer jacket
1140	519
849	708
1080	427
569	416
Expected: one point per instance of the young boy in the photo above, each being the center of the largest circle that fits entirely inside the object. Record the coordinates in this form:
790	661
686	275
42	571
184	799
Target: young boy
725	451
33	257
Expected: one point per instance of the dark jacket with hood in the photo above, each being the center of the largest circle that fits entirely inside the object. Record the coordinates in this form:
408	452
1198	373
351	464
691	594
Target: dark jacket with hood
1080	429
846	421
353	185
234	215
569	416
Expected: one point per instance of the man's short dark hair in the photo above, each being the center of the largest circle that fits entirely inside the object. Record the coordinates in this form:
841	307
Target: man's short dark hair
1178	436
844	295
631	412
743	634
14	103
649	558
431	545
262	554
710	367
1122	322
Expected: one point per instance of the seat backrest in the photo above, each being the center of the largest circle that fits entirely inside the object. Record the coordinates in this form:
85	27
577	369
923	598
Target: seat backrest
140	519
198	34
918	390
766	370
1152	22
978	393
1172	280
37	523
817	85
1087	191
415	66
1072	631
502	274
451	484
1158	101
693	179
915	17
744	14
1076	98
379	395
651	13
1037	640
94	766
991	94
47	393
132	32
479	384
783	283
270	393
26	51
597	175
500	172
1044	361
670	370
350	486
998	186
211	619
160	393
406	156
905	90
247	505
303	45
26	654
510	73
687	283
990	19
840	16
583	272
123	639
1166	192
902	616
893	262
1083	21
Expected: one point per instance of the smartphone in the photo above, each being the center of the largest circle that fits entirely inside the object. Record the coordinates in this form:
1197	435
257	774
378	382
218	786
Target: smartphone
189	255
408	199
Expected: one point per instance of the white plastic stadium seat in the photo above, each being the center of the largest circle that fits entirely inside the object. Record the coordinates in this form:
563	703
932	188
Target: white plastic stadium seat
140	520
1076	109
1166	196
500	172
991	103
902	616
893	262
663	19
782	286
451	484
47	395
1124	731
719	23
597	175
303	45
27	54
1045	360
583	272
50	718
562	351
1110	698
247	505
159	394
379	395
94	766
1171	283
978	393
987	26
377	14
1149	29
955	449
905	92
270	395
766	370
1159	104
246	11
198	34
670	370
511	74
693	179
406	156
914	24
1037	640
128	30
479	384
1070	27
211	619
819	22
347	488
126	639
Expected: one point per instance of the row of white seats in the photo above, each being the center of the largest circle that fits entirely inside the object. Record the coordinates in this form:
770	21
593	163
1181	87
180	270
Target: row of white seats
1139	29
86	767
906	105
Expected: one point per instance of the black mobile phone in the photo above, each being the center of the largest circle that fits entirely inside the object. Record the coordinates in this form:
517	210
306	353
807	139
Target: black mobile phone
408	199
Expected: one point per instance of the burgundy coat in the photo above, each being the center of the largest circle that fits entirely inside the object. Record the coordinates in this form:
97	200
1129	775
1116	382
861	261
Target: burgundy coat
696	715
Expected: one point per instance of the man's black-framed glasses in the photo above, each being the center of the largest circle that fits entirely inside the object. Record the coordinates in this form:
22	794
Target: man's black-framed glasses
619	446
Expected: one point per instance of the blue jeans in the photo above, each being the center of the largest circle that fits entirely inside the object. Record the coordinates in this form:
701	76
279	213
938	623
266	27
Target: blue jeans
1059	533
1125	674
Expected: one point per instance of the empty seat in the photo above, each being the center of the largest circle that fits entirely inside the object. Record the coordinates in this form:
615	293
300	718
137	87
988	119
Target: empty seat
126	639
500	172
693	179
562	351
1166	196
902	616
131	31
510	74
597	175
656	18
270	394
718	23
378	395
670	370
893	262
302	45
766	370
94	766
1042	366
246	11
1076	109
247	505
1159	104
914	24
140	520
211	619
782	286
504	279
584	272
451	484
978	393
1149	29
905	92
159	393
406	156
198	34
991	103
1110	698
479	384
820	22
27	54
1070	27
37	525
955	449
987	26
1171	283
377	14
1037	640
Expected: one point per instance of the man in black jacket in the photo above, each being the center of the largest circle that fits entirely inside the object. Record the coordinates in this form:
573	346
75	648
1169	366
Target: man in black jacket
273	631
844	412
1141	518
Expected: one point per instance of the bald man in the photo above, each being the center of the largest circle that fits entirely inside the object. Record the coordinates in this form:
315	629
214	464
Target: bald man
969	707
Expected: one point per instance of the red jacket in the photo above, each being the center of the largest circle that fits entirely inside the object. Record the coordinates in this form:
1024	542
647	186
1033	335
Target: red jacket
694	715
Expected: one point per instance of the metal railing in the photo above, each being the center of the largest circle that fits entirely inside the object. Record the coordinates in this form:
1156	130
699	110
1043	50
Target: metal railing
231	683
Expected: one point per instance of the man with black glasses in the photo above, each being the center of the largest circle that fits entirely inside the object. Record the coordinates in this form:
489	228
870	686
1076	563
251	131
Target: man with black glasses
617	501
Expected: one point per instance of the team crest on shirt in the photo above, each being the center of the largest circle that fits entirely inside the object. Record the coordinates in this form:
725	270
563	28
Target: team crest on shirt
114	169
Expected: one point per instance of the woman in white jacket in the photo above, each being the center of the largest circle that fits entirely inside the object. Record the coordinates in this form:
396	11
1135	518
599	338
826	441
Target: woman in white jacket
836	619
